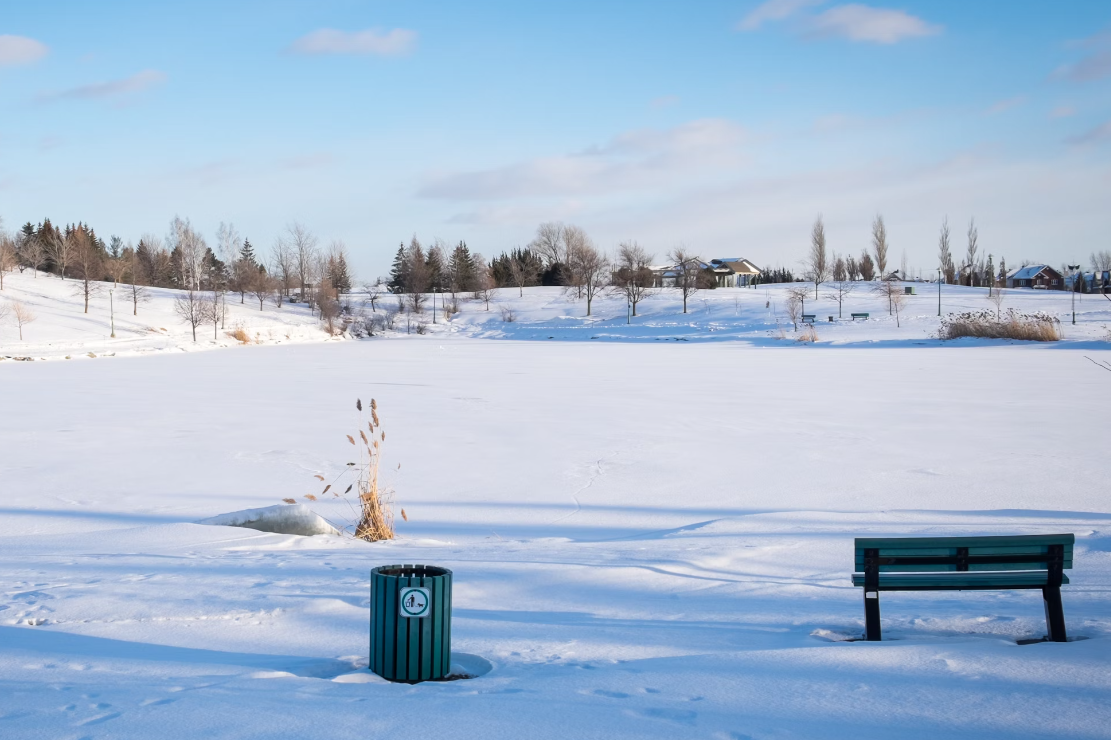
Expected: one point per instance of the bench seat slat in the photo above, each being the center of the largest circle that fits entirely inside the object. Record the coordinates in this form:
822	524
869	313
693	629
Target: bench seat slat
981	550
958	581
952	568
901	543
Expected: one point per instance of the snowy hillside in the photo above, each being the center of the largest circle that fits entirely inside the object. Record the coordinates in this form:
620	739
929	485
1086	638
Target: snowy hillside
756	316
61	327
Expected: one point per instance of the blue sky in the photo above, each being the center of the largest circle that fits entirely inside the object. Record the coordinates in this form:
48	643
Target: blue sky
723	126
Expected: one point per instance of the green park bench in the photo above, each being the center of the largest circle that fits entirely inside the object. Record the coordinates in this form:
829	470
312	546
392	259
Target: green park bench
808	318
964	564
859	316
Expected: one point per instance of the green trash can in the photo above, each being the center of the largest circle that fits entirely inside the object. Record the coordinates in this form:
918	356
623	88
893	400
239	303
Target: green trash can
410	622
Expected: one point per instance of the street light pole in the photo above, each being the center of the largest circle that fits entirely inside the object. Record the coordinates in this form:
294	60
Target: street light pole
939	291
112	310
1075	277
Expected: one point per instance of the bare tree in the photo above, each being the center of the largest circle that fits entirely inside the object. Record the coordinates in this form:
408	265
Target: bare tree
522	272
898	299
190	247
214	309
593	270
633	278
117	267
840	290
227	243
996	297
840	270
819	261
59	248
796	298
1101	261
283	258
86	264
970	257
303	245
262	286
23	316
549	243
794	306
189	305
879	245
5	311
374	292
486	285
891	289
576	245
944	256
7	256
32	250
136	273
688	273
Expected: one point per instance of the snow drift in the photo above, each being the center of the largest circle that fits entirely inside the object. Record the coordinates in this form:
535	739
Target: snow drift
281	519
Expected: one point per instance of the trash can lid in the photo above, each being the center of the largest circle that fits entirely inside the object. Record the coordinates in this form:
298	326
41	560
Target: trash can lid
412	571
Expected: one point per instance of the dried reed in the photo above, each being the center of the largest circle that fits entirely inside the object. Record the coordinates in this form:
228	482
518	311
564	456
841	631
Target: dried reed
1037	327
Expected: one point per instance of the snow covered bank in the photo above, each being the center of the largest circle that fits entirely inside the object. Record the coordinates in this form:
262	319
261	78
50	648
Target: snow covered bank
649	540
282	519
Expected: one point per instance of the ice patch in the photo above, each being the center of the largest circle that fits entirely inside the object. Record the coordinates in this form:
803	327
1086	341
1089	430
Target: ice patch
282	519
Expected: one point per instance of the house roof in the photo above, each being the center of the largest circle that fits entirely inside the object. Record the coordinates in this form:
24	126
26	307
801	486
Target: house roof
1029	272
736	264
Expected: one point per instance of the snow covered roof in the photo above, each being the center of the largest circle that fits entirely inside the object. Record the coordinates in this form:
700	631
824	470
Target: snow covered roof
1028	272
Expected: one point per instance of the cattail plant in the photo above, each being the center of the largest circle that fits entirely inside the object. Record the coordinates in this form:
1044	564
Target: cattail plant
375	506
373	510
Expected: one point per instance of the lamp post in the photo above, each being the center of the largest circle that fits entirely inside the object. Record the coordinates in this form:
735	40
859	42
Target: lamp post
939	291
112	310
1075	277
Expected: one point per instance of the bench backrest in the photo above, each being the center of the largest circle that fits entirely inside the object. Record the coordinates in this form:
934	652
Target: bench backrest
959	554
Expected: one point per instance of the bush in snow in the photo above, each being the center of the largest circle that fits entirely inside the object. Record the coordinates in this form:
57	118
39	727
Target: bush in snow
1035	327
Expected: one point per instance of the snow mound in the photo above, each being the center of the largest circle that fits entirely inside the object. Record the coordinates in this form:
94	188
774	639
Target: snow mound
281	519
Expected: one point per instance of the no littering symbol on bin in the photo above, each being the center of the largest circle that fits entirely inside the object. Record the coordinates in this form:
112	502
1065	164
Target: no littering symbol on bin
414	602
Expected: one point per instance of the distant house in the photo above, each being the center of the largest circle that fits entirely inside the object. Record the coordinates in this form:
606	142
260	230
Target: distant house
1091	282
664	276
734	272
1040	277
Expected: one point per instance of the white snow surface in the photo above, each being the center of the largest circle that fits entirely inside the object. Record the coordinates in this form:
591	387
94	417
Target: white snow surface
649	539
282	519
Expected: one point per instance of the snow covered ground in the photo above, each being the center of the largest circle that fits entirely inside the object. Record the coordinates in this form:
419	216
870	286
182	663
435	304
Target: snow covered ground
754	316
649	539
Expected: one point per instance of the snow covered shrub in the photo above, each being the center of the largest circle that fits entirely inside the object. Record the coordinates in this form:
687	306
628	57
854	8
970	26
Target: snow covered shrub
422	328
507	315
1035	327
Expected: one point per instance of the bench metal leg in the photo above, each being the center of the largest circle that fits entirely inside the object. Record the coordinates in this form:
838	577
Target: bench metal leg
871	615
1054	613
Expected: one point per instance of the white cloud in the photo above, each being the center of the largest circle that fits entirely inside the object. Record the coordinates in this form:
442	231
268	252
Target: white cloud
1062	111
1093	67
774	10
15	50
111	89
864	23
373	42
1094	136
631	161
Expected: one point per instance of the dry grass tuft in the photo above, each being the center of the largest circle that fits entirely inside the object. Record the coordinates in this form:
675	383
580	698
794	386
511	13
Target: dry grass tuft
807	334
239	334
289	500
1036	327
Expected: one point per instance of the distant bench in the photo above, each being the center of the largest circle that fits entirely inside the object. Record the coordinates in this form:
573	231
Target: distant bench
964	564
859	316
808	318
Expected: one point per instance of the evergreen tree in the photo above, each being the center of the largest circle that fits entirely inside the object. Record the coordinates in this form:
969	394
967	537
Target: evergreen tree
115	247
338	274
247	253
398	270
436	268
